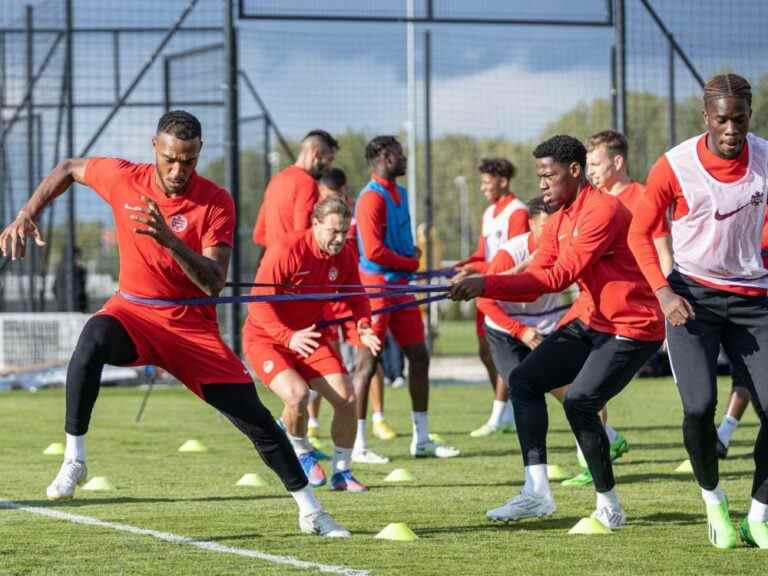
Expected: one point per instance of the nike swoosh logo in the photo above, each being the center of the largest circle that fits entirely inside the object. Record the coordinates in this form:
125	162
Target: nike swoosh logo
722	216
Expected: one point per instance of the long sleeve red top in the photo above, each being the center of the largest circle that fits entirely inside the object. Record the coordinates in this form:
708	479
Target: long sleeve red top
586	243
300	262
287	207
371	220
662	194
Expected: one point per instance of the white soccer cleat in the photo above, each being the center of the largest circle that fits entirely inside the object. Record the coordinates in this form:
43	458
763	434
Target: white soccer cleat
485	430
366	456
322	524
433	450
524	505
610	517
71	474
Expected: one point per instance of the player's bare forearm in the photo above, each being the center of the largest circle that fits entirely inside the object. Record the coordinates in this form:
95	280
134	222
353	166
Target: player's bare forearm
207	273
54	184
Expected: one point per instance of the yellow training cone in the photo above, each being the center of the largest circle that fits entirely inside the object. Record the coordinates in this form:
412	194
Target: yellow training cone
685	468
193	446
589	526
55	449
99	483
397	531
556	472
251	480
399	475
437	439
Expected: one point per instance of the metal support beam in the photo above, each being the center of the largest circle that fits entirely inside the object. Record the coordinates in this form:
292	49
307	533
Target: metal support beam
671	112
620	65
428	205
69	71
232	155
264	110
30	65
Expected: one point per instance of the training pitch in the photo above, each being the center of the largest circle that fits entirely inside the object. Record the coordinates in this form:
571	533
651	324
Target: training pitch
181	513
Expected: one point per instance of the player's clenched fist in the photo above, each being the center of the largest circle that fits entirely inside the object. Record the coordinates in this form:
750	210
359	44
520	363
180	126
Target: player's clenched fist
468	288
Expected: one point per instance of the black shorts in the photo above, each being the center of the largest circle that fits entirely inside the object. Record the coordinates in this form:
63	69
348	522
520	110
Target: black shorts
507	351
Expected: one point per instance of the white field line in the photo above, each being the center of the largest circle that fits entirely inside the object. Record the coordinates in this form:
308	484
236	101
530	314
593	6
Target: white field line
176	539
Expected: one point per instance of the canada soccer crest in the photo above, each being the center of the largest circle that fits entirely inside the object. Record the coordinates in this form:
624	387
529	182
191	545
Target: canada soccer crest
268	366
333	273
178	223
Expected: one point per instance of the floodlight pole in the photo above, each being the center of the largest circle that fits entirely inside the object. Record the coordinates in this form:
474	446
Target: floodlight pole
412	96
69	71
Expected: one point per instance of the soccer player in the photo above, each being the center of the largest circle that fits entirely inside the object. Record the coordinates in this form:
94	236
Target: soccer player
715	186
175	232
505	218
333	182
388	256
292	193
612	329
290	355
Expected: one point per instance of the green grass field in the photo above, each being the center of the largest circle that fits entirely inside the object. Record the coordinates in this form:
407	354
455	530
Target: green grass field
194	495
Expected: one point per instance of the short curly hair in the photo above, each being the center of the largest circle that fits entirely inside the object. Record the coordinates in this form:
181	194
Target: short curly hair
379	144
499	167
563	149
537	206
180	124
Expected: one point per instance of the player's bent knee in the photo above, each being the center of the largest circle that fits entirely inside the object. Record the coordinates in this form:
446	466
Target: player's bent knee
418	354
699	411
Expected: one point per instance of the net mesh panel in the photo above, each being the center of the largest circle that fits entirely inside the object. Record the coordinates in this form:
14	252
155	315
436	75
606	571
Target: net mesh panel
37	340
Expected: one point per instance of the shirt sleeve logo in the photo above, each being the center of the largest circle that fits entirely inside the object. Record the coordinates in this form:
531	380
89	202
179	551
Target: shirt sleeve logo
178	223
333	273
268	366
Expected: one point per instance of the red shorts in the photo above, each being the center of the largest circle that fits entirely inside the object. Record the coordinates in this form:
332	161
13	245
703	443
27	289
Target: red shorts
184	340
406	325
268	359
347	332
479	323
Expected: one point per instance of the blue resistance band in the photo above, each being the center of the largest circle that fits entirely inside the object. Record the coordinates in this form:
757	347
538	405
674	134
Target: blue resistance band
384	310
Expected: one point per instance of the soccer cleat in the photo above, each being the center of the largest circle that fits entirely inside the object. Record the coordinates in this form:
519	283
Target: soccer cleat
618	447
366	456
524	505
322	524
319	454
722	534
344	481
610	517
398	382
485	430
313	432
383	431
754	534
313	470
582	479
432	450
722	450
71	474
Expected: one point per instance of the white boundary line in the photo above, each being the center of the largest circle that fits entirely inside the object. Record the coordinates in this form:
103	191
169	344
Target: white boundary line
177	539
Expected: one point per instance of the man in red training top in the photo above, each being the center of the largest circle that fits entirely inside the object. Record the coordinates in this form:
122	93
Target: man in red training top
290	355
608	334
388	256
292	193
505	218
715	185
175	232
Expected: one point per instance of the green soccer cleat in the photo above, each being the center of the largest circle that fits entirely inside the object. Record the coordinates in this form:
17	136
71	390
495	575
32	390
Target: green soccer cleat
582	479
722	534
754	534
618	447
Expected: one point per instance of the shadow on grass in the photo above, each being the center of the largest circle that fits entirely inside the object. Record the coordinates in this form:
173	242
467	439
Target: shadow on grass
131	500
677	427
675	518
457	485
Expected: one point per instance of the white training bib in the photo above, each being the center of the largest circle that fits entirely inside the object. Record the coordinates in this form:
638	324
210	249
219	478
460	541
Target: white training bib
496	228
719	240
543	313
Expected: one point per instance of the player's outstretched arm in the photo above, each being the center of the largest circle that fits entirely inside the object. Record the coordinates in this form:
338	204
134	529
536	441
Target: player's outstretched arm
13	239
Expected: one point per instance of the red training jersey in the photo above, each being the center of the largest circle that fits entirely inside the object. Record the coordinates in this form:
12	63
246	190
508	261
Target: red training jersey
586	243
297	262
287	207
203	216
664	194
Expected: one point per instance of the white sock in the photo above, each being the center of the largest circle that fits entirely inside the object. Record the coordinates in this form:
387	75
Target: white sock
713	496
377	416
341	458
726	429
75	448
306	500
758	512
539	484
497	413
313	422
300	444
312	395
361	442
608	499
420	427
509	413
612	434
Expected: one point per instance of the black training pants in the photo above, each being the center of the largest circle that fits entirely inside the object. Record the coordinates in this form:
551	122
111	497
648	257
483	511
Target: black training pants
598	366
740	324
105	341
